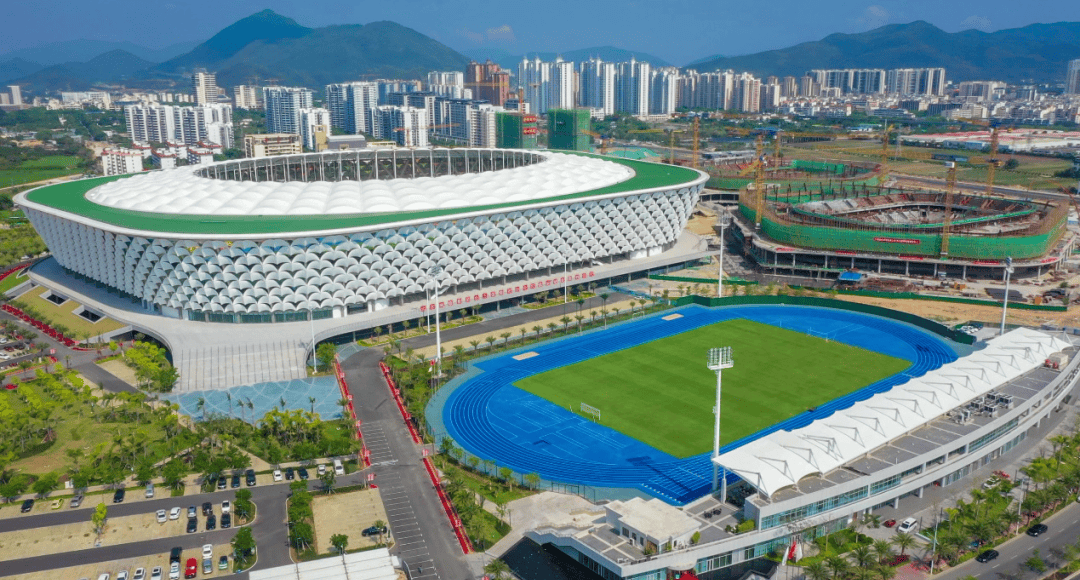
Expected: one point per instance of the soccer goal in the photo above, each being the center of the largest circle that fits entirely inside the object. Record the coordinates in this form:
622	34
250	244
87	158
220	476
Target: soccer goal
590	411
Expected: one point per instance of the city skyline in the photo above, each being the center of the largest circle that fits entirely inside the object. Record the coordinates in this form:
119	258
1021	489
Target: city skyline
505	27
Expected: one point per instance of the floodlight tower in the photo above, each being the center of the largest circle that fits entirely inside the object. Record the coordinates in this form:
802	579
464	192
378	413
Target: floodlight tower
719	359
1005	299
434	273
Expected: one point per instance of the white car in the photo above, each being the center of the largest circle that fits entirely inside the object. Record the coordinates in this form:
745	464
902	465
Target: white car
208	551
225	507
907	526
4	355
277	475
122	575
174	571
174	514
155	574
140	574
322	470
161	517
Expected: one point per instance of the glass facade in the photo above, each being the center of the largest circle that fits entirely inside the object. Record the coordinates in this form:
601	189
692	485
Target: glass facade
991	436
815	508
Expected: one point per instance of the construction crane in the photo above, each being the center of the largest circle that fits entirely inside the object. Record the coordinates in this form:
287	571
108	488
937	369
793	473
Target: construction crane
603	140
885	154
758	168
946	224
671	141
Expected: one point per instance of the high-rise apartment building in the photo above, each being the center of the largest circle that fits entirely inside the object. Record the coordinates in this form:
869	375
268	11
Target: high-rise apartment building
852	81
597	81
16	94
283	106
632	80
314	128
351	106
747	96
547	85
1072	78
488	82
406	126
204	87
154	123
388	87
664	91
910	82
450	84
980	90
715	90
247	97
119	161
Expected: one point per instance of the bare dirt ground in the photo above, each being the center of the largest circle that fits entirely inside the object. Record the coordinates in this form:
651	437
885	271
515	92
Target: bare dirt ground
364	509
80	536
130	564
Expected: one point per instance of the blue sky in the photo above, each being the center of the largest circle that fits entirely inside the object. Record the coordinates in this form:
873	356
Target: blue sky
676	30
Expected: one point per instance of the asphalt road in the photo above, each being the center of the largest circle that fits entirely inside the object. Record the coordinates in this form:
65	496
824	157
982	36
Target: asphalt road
1064	529
1012	191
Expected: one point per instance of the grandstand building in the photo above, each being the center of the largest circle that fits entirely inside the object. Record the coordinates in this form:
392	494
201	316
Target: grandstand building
326	235
933	431
821	233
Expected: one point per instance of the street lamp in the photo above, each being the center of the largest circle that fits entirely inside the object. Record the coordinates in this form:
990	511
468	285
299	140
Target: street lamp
720	260
1005	299
434	273
719	359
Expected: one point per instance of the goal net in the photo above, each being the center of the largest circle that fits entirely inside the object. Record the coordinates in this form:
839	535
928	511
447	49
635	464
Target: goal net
590	411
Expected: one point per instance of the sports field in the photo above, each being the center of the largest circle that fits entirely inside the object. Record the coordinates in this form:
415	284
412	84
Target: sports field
662	394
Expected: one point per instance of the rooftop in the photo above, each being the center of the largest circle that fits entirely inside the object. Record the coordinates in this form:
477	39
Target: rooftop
653	518
182	202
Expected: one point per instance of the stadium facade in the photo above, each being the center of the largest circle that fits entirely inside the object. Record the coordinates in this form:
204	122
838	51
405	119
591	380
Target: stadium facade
330	234
935	431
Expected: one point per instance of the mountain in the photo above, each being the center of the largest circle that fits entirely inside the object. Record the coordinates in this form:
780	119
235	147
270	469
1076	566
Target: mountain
267	45
77	51
17	67
1038	52
115	65
606	53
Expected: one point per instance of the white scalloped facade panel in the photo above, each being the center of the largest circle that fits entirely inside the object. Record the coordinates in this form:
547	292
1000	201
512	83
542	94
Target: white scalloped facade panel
338	271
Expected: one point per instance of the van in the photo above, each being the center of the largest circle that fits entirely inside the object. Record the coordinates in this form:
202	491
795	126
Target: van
149	490
339	469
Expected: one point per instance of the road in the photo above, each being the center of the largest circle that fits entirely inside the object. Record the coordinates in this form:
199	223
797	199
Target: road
1064	529
980	187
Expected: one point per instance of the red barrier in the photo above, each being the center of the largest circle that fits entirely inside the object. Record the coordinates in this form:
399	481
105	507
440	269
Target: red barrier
455	521
400	404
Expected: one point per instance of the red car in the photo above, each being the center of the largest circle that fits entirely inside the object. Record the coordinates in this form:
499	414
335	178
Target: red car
890	523
191	569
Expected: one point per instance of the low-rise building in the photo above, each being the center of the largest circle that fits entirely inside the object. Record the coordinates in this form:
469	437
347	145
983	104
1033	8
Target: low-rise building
270	144
120	161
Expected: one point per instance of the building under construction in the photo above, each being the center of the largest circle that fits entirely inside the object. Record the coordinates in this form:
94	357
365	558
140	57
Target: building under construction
825	231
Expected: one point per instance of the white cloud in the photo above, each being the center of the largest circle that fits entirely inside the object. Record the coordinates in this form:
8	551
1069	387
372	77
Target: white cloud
977	22
875	16
503	33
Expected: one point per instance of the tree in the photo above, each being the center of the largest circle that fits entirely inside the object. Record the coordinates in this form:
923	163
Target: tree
200	405
101	513
474	343
243	545
325	353
380	525
491	342
45	484
816	571
506	338
328	480
497	569
903	541
532	479
506	474
339	541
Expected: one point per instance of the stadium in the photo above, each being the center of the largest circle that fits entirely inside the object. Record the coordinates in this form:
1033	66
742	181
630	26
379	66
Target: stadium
831	410
326	235
827	229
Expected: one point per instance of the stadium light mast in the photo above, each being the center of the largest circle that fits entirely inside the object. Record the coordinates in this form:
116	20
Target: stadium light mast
1005	299
719	359
720	259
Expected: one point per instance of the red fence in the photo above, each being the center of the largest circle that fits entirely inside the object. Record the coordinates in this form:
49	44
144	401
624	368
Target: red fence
44	328
365	455
455	521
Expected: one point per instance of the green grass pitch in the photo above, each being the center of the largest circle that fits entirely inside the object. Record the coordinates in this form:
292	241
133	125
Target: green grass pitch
662	394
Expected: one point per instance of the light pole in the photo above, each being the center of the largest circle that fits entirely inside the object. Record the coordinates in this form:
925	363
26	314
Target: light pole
311	323
434	273
1005	299
720	259
719	359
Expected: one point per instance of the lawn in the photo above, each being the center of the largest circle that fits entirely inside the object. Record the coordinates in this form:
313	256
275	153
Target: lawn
12	281
40	169
63	314
662	394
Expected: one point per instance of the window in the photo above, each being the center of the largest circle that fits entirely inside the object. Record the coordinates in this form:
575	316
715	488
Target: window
888	483
813	509
713	563
991	436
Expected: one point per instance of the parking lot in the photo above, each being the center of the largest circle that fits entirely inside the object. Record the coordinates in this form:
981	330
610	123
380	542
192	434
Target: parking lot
93	571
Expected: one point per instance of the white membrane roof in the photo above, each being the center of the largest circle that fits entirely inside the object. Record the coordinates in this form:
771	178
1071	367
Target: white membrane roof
182	191
783	458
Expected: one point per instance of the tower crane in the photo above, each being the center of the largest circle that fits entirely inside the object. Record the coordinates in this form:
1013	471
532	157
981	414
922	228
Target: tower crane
758	167
671	140
885	154
946	224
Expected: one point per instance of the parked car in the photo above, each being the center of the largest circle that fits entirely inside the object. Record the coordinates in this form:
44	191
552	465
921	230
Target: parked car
191	569
155	574
226	506
207	566
221	483
207	550
223	563
174	554
192	511
192	525
226	521
76	501
321	470
162	517
207	508
907	526
140	574
235	481
277	475
302	473
118	496
289	474
986	556
174	514
174	571
103	576
149	490
1036	530
339	468
890	523
373	531
211	522
122	575
249	476
27	506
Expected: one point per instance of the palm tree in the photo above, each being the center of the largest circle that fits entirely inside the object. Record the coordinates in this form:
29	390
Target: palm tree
883	550
579	319
566	323
536	331
616	310
551	328
838	566
863	555
228	396
506	338
311	400
604	313
604	297
816	571
497	569
474	343
903	541
491	342
459	352
523	331
251	408
200	405
592	313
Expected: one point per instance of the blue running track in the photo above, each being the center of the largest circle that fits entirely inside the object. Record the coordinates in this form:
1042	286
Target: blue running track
492	419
